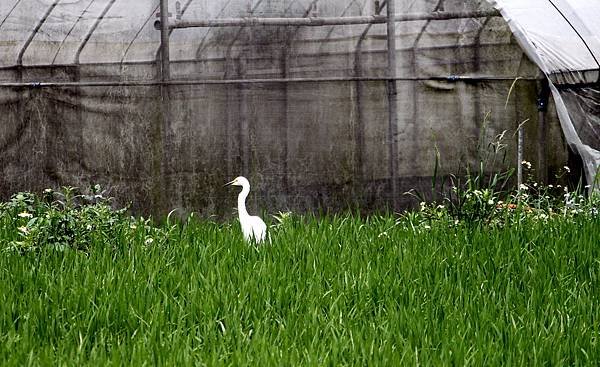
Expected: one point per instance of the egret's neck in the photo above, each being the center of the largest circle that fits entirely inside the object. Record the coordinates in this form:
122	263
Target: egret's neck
242	201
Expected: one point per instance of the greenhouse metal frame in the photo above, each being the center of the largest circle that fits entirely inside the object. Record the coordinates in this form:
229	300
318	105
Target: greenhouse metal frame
166	23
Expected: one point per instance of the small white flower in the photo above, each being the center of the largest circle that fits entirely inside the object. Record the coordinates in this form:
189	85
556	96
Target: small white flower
526	164
491	202
523	187
47	191
24	230
566	168
25	215
149	241
550	186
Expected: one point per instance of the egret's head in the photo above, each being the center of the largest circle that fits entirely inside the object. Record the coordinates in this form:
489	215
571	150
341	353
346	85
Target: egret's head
239	181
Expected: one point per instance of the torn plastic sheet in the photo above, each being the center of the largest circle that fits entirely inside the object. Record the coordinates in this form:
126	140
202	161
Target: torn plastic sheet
562	38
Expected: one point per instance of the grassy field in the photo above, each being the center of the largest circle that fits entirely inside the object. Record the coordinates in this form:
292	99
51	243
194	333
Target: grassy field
337	290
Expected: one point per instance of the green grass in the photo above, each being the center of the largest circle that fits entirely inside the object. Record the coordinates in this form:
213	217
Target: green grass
329	291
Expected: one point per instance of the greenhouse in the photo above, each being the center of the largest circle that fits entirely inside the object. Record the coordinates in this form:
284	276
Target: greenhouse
162	102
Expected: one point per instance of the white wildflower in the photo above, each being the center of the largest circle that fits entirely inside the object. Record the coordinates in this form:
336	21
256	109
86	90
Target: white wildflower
149	241
491	202
23	230
25	215
523	187
566	168
526	164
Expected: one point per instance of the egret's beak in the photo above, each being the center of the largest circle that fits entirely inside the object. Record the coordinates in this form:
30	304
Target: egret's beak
229	183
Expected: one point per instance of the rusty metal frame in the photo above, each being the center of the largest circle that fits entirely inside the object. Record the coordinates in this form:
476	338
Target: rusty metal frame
174	82
328	21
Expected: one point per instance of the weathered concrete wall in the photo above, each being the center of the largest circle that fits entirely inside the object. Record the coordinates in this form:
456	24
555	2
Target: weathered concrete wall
304	146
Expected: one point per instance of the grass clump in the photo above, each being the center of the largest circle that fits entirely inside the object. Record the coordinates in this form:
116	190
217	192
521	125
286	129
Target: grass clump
334	290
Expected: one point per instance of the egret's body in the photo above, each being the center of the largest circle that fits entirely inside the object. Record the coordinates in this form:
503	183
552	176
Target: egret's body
253	228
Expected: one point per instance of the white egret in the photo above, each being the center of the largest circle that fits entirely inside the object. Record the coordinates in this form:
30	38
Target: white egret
253	227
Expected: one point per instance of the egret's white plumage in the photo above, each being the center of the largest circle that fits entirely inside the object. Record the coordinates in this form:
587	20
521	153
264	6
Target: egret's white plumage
253	228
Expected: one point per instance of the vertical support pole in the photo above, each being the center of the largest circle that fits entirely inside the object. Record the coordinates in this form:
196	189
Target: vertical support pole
392	95
520	144
542	105
165	77
164	41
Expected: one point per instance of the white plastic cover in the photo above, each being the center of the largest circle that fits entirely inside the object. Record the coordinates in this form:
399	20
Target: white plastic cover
563	38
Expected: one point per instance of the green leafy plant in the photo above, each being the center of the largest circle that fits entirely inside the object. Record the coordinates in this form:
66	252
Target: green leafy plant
61	220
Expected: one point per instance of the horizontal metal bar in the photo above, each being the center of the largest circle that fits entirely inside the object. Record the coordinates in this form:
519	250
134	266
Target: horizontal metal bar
449	78
328	21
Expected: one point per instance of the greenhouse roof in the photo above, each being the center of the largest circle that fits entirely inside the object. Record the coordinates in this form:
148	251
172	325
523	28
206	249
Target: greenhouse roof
561	36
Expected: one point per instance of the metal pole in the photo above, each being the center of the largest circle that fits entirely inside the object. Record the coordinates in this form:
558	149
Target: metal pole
327	21
520	143
164	40
392	95
162	158
542	104
149	83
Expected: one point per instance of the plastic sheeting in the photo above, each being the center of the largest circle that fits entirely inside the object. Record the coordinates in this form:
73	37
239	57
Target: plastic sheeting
563	38
303	145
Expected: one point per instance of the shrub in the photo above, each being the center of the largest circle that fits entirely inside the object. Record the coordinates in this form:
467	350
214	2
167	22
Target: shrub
61	220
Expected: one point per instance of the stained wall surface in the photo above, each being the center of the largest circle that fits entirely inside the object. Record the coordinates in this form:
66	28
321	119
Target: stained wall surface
303	145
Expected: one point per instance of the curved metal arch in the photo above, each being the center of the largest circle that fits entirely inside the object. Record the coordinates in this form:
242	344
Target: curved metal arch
92	30
71	30
35	31
570	23
201	46
9	13
439	5
156	9
237	35
332	28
